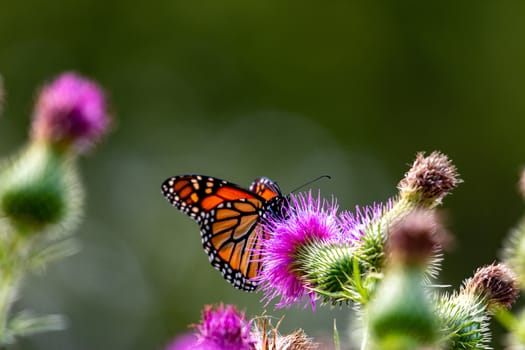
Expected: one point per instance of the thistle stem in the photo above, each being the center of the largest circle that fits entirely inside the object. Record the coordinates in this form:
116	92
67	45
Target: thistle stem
364	341
10	273
510	322
7	289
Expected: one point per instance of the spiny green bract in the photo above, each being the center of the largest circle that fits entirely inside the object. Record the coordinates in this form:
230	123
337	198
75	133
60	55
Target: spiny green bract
39	190
463	321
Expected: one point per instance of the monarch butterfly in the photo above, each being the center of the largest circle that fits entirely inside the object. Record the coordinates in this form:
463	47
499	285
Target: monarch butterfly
230	219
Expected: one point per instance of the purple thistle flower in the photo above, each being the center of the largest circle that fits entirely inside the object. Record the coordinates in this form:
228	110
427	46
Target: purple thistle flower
312	221
223	328
70	110
354	225
185	341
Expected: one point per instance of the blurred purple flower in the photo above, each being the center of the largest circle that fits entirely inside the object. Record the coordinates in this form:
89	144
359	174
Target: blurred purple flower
311	221
185	341
70	110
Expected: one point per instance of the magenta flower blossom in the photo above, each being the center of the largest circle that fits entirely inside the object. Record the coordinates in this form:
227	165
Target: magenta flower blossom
354	224
223	328
312	221
71	110
185	341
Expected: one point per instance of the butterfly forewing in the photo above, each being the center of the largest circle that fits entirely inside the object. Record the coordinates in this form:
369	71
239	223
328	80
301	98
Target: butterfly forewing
230	221
265	188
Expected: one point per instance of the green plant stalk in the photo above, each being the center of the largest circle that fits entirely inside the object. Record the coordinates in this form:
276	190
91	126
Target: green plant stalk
16	259
400	315
510	322
364	341
5	294
7	290
9	281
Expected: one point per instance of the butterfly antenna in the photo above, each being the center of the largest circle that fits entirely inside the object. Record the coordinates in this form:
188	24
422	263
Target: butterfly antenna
312	181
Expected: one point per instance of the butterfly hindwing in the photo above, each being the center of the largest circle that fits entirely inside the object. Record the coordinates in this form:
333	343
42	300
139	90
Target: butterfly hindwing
229	218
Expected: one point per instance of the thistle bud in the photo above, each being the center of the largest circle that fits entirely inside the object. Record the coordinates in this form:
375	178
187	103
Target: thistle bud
415	239
39	189
463	322
424	186
464	315
429	179
401	315
496	286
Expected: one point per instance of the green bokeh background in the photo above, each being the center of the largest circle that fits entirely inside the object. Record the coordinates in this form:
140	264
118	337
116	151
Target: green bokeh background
240	89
